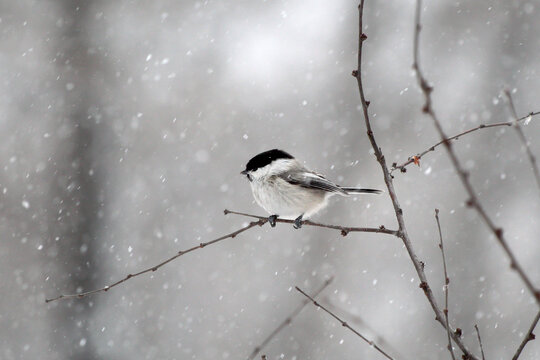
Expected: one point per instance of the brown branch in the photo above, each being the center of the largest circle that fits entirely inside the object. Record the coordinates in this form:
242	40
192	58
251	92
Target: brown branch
462	173
344	229
402	231
528	337
480	341
521	135
445	287
287	321
343	323
419	156
379	339
261	222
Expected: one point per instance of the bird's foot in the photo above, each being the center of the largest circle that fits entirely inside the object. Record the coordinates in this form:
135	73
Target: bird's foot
272	220
298	222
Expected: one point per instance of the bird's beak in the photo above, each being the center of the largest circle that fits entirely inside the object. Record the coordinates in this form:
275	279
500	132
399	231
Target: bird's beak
244	172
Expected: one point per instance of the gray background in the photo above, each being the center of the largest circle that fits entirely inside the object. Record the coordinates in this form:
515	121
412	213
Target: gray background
124	127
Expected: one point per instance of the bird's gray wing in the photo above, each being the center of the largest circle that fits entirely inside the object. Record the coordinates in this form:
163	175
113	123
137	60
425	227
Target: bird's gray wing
311	180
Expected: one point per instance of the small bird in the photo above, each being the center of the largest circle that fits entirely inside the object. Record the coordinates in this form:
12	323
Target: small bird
285	188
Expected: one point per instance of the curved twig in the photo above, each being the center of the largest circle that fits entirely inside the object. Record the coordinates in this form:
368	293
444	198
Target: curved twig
287	321
528	337
343	323
462	173
480	341
445	287
378	338
417	157
523	139
261	222
418	265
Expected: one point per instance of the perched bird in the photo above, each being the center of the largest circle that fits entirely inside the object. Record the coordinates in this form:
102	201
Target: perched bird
285	188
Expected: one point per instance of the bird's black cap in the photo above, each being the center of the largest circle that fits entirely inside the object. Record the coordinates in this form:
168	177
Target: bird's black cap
266	158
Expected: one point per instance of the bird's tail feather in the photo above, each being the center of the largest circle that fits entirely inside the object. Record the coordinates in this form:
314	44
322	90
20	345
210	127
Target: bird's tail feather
352	191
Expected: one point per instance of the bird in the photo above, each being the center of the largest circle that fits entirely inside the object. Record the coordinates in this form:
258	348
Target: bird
285	188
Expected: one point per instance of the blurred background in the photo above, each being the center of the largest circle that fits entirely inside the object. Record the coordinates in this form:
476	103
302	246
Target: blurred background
125	125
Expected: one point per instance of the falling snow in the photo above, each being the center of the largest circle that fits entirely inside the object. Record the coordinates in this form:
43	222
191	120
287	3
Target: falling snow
125	127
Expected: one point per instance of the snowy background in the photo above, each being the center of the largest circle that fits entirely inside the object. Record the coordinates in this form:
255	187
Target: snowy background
125	125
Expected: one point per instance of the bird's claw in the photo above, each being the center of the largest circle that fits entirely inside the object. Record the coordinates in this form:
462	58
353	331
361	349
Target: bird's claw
272	220
298	222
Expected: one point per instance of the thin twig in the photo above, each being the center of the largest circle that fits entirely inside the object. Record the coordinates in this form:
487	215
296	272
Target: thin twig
261	222
344	229
419	156
402	231
445	287
287	321
343	323
480	341
462	173
528	337
379	339
521	135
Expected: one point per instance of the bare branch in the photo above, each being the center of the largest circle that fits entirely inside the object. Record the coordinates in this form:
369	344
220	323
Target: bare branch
463	175
379	339
402	232
261	221
528	337
445	287
252	224
287	321
524	141
480	341
343	323
419	156
344	229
